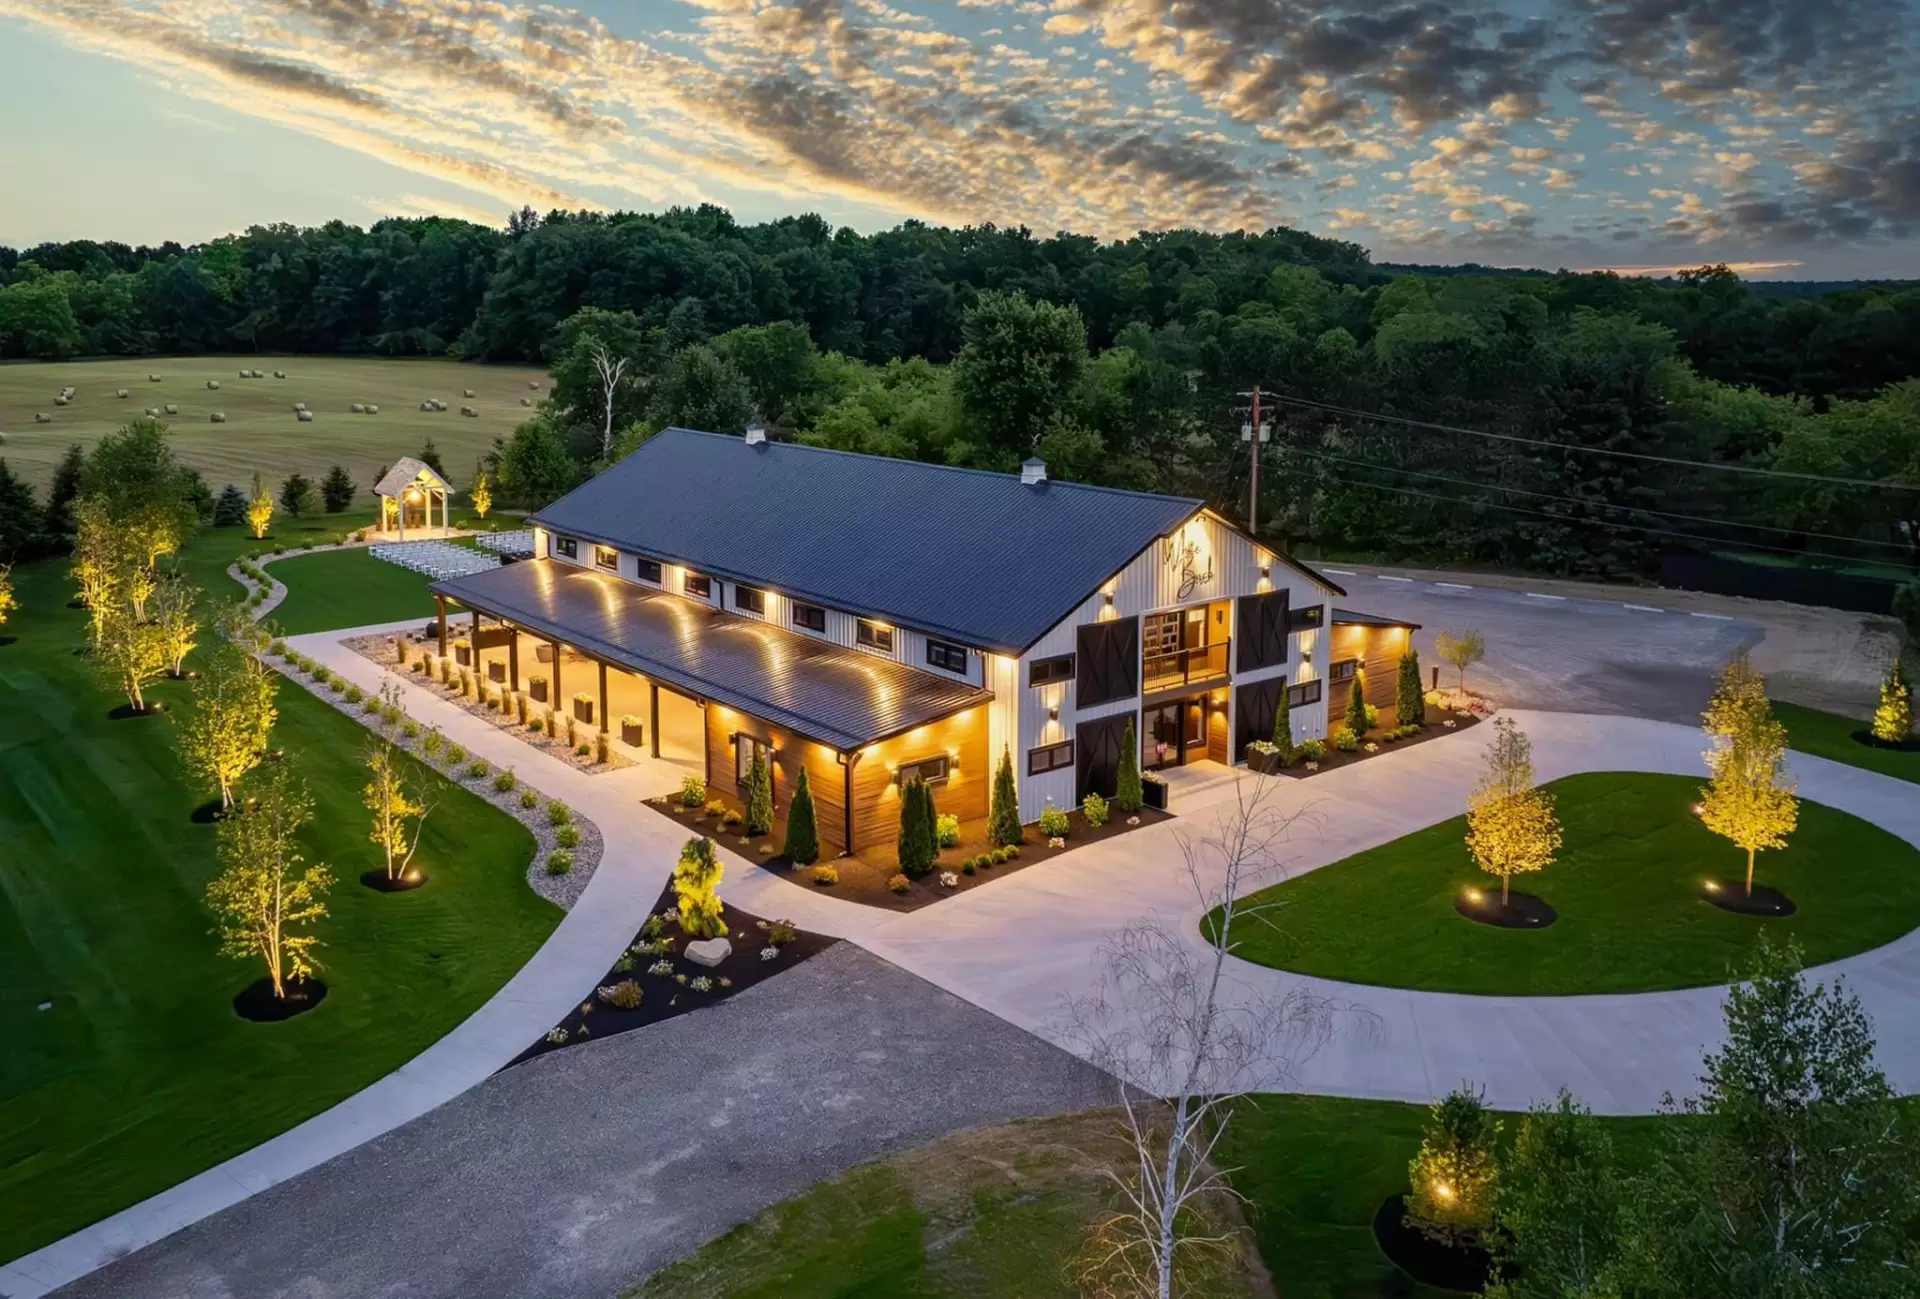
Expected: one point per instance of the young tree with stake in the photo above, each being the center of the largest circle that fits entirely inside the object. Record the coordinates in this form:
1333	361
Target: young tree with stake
696	889
399	812
1511	825
173	605
1461	650
1893	719
480	495
265	891
8	601
1183	1044
259	509
1452	1181
226	734
1750	800
131	653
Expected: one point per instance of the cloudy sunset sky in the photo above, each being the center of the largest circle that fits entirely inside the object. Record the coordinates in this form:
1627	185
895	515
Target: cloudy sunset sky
1578	133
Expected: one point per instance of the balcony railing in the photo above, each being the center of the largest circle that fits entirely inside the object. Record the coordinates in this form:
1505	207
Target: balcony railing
1184	667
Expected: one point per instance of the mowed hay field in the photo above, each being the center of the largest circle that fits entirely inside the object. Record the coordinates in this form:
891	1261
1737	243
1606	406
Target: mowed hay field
261	434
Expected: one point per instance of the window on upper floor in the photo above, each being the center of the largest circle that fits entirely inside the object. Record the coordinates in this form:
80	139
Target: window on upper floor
699	587
810	616
1043	672
606	557
946	655
874	636
750	598
649	570
1307	692
1049	757
567	546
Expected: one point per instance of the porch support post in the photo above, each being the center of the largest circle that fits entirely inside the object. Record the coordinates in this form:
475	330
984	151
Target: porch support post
847	762
513	659
558	691
441	602
606	723
653	714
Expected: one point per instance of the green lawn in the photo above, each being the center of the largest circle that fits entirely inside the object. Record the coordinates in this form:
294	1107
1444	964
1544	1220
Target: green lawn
140	1074
1626	886
1829	735
346	588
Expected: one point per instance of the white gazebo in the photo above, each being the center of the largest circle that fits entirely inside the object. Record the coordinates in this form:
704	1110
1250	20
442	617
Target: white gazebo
406	497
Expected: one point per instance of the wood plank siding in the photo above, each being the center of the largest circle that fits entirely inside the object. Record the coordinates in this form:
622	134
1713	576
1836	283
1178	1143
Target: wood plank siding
1378	650
876	803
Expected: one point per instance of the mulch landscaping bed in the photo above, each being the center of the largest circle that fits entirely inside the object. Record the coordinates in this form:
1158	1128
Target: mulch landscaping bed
257	1003
1732	895
668	995
864	876
1465	1268
1334	759
127	712
1519	911
380	882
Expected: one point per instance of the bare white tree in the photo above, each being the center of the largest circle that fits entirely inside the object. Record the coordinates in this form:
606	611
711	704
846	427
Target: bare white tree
1184	1043
611	370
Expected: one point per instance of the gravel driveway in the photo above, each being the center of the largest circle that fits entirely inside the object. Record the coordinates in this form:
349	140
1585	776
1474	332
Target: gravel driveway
1564	654
584	1170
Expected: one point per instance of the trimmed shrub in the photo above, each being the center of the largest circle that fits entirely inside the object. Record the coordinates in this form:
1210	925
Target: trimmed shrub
1053	822
1313	750
624	995
478	769
567	836
915	846
1357	703
1283	729
946	830
803	836
1409	700
693	791
1094	808
759	816
696	889
899	884
505	781
559	862
1003	818
529	799
1127	794
825	875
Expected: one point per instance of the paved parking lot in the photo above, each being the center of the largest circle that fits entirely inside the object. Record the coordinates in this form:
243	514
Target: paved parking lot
1563	654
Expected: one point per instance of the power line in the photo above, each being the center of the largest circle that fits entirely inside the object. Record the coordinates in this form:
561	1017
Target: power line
1755	470
1601	505
1598	523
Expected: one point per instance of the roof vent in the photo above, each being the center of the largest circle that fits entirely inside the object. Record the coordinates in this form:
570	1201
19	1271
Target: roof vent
756	435
1033	472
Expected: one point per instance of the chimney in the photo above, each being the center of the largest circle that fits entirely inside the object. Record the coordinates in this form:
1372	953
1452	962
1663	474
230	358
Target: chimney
756	434
1033	472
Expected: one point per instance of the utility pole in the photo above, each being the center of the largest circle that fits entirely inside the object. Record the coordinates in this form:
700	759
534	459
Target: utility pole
1253	432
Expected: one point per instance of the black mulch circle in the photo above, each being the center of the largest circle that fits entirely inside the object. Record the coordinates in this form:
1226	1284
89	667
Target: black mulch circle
257	1003
8	640
1909	745
380	882
1520	911
1426	1260
1731	895
209	813
664	995
125	711
76	604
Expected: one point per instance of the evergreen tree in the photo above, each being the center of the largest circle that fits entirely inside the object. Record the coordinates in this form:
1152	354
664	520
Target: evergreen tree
696	888
1893	719
1003	817
915	846
1127	794
230	507
1283	728
58	521
297	496
430	457
336	490
1562	1209
19	517
759	795
803	837
1357	703
1454	1178
931	815
1409	700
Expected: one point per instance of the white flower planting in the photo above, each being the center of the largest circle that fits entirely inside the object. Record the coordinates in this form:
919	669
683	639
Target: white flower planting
1056	842
661	968
949	880
702	984
768	953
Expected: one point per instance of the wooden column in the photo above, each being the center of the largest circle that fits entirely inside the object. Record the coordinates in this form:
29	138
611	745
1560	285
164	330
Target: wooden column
653	714
559	692
606	724
513	659
441	602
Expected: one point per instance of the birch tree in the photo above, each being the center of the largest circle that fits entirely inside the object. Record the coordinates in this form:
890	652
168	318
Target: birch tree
1185	1041
8	601
399	810
266	895
1750	800
226	734
1512	828
130	653
172	607
612	371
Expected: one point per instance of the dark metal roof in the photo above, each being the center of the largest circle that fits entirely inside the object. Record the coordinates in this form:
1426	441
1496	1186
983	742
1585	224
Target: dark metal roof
842	697
1359	619
964	554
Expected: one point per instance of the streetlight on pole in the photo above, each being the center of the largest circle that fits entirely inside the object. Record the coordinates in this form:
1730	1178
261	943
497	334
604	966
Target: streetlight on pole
1254	430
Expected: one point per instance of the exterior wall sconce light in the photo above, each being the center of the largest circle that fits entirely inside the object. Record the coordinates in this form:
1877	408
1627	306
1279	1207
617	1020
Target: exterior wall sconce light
1109	596
1053	712
1266	570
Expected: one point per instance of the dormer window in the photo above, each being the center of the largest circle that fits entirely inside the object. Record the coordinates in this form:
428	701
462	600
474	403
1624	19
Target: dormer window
947	656
873	636
750	598
699	586
567	546
606	557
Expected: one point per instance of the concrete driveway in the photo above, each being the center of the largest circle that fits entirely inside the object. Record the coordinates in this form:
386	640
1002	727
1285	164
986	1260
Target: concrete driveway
1564	653
586	1169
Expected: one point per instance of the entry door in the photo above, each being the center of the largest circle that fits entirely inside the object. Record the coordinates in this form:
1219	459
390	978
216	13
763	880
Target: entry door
1194	740
1163	727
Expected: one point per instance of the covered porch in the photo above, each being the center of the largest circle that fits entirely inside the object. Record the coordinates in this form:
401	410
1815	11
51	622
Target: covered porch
655	676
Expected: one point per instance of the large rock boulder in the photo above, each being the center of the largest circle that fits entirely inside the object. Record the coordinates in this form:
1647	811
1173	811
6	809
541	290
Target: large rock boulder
708	951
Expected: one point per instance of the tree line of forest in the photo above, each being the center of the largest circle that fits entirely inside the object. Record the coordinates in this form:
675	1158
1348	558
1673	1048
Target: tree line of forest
1119	363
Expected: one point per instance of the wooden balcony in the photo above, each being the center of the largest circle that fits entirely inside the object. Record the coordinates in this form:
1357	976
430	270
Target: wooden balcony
1188	667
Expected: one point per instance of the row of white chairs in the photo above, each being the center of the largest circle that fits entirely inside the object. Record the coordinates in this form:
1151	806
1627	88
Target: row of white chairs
437	559
518	543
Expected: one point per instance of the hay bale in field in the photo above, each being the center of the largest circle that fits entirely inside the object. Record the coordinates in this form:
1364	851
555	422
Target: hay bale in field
359	409
470	412
218	417
61	400
153	412
304	416
213	385
279	374
153	378
120	393
373	410
172	409
468	392
41	417
526	401
534	384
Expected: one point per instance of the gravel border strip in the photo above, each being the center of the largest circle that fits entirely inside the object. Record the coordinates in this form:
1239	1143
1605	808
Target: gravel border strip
561	890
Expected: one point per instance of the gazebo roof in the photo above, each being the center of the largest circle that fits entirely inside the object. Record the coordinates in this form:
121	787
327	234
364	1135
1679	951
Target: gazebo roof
407	472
